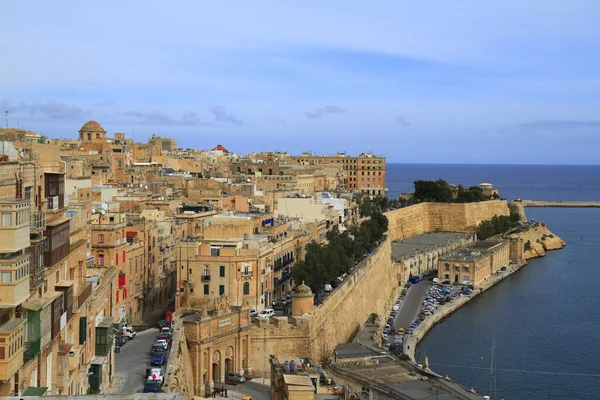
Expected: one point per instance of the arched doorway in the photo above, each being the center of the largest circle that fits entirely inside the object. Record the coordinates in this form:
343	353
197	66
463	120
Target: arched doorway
228	366
216	367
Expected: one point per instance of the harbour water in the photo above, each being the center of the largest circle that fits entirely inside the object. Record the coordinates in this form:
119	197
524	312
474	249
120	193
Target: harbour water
544	319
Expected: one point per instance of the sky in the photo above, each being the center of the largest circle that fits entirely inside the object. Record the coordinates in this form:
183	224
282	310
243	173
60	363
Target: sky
509	81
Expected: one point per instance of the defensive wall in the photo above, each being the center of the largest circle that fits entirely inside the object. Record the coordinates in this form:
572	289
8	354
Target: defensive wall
370	289
178	371
446	217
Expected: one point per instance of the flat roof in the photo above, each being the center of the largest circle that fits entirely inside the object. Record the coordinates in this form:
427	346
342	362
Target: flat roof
474	252
12	324
353	350
426	241
297	380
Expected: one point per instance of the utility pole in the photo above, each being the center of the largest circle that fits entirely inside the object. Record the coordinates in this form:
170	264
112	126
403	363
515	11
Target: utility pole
6	118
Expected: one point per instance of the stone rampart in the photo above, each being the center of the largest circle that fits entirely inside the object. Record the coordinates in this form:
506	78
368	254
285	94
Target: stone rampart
370	289
447	217
540	240
179	372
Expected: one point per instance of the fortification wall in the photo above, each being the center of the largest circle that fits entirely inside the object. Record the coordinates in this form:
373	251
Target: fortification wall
371	289
179	372
448	217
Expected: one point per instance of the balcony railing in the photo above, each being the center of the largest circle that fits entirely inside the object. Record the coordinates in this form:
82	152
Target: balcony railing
205	278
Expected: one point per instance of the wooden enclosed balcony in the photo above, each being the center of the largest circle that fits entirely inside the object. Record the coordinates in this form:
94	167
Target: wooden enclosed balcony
14	279
11	347
14	225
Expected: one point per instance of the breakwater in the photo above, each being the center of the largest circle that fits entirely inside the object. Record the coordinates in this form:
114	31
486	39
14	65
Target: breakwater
566	204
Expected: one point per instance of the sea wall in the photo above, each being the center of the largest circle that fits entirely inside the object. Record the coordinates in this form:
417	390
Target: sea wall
541	240
448	217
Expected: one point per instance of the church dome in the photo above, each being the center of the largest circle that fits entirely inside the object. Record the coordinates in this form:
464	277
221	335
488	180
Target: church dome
92	126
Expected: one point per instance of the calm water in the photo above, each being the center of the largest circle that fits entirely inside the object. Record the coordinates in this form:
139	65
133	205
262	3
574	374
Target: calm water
543	318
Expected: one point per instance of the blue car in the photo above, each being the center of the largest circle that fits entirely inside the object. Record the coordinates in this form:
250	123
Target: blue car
158	358
151	387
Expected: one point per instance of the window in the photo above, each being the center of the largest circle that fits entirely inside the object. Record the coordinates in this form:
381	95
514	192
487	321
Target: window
222	271
446	276
246	270
465	269
206	270
446	267
57	276
221	290
206	291
100	260
246	288
465	277
101	238
117	258
6	276
6	219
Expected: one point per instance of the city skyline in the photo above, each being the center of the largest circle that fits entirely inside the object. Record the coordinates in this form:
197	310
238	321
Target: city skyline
398	80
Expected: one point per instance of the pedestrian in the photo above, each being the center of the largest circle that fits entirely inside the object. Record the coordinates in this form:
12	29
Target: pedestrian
222	390
225	392
214	393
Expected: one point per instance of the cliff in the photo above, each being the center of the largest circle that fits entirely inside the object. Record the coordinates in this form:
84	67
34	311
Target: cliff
541	240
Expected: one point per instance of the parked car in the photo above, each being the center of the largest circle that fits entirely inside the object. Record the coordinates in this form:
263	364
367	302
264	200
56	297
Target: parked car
165	336
400	331
165	330
157	348
151	387
253	313
163	343
446	282
158	358
162	323
156	374
327	287
266	313
234	377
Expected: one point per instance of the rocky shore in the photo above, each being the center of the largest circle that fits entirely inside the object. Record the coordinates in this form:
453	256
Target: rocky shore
540	240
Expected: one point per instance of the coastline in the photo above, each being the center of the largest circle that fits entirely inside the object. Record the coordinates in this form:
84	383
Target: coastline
411	341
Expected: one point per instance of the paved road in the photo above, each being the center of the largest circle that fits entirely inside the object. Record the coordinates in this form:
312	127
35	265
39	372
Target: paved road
254	388
411	305
131	362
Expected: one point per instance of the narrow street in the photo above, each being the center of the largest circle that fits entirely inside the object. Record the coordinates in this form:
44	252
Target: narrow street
131	362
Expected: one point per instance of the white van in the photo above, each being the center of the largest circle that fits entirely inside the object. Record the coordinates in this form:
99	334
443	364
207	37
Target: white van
266	313
129	333
327	287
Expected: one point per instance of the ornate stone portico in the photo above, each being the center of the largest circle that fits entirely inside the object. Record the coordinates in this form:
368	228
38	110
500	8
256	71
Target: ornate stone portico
218	343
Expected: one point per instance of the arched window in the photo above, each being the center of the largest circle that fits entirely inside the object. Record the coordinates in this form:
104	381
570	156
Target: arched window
246	288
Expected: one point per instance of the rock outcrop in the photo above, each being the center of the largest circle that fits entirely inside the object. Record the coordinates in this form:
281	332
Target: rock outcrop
540	240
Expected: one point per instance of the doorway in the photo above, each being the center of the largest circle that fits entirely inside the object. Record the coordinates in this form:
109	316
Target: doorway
216	373
455	278
227	366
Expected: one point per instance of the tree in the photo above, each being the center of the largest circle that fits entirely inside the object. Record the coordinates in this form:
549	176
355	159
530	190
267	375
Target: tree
485	230
438	191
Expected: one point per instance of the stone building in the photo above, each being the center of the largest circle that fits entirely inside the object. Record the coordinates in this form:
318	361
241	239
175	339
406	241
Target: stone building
218	341
474	263
420	254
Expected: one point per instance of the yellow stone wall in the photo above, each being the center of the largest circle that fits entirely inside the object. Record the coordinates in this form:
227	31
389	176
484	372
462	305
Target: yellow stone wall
448	217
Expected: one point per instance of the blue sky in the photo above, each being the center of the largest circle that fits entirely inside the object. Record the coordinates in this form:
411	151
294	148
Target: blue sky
434	82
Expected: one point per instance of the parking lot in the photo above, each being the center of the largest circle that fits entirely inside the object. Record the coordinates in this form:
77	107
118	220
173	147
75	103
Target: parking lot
131	363
415	304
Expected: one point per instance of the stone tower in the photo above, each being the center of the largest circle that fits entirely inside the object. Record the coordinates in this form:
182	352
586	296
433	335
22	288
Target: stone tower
517	207
302	301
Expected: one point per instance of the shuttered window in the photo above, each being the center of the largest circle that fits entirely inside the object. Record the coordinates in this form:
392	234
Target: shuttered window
82	330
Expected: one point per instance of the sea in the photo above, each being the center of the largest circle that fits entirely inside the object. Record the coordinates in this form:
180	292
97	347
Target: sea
540	327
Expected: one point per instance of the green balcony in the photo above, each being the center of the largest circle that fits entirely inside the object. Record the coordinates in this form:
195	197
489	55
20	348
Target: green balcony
104	337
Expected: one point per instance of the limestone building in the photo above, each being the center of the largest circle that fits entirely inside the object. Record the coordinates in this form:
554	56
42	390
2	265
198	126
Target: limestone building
474	263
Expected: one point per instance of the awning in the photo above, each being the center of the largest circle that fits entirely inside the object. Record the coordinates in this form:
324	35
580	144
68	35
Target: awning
34	391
